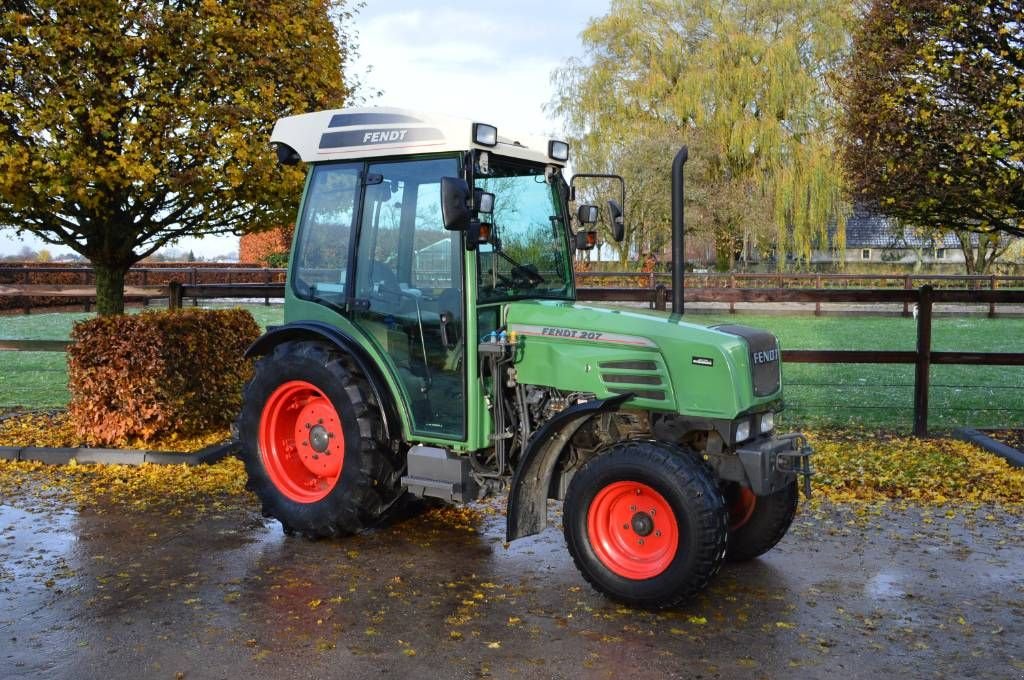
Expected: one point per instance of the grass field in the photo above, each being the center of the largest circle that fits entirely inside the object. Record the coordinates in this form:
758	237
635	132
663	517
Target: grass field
817	395
881	395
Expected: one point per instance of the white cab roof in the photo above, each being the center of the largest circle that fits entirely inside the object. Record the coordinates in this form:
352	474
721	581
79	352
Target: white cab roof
342	134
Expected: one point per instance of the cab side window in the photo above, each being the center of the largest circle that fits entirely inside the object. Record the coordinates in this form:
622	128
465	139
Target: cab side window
327	219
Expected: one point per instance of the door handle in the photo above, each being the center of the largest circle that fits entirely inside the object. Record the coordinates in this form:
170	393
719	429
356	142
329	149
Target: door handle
446	317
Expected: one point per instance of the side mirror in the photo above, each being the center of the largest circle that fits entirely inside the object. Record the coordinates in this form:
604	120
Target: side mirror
618	223
587	214
455	203
586	240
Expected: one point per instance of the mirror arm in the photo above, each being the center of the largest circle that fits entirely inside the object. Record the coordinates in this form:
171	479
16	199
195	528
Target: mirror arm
598	175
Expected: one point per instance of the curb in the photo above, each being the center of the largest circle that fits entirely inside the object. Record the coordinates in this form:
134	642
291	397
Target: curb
63	456
1012	456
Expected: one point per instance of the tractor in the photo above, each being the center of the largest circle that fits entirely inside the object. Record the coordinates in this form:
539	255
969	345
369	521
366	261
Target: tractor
433	346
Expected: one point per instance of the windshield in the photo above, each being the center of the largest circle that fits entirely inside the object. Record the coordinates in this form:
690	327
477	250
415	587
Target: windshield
528	253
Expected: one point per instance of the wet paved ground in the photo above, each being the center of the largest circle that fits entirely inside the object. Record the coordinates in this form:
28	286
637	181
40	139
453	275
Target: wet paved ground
106	595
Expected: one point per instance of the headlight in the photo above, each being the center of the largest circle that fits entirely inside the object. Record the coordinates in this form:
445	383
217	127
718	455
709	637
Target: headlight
743	431
767	422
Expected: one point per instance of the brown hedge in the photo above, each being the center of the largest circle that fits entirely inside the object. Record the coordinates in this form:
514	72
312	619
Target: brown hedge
158	373
259	247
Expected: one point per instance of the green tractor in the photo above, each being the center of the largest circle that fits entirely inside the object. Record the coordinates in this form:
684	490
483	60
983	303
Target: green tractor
433	347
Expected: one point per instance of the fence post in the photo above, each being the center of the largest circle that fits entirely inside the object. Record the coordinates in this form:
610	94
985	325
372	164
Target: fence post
732	284
660	297
267	279
907	285
193	280
174	295
992	305
924	359
817	305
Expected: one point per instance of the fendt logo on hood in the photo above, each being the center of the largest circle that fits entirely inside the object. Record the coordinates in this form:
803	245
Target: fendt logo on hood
766	357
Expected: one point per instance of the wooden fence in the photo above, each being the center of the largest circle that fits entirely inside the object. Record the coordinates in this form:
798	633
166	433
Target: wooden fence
26	287
924	298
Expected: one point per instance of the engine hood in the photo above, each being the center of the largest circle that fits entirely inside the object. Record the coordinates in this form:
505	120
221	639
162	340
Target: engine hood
669	364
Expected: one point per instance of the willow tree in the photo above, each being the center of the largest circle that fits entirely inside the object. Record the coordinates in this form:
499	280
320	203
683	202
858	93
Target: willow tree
749	81
125	126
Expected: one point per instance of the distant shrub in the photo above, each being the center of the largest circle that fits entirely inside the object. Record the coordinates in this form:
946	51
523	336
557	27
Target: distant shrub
266	248
158	373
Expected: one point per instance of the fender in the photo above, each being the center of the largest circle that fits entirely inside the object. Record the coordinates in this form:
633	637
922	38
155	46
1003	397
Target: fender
528	496
316	330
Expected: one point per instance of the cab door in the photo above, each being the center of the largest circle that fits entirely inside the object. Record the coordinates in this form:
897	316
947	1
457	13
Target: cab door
409	290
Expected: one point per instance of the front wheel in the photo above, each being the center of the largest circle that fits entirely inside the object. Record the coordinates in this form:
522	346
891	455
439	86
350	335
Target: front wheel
757	523
646	524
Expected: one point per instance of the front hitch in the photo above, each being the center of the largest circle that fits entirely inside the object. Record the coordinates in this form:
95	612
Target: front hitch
798	462
771	463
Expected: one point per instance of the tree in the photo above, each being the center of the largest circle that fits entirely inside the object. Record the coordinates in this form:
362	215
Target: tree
127	125
934	121
746	83
729	211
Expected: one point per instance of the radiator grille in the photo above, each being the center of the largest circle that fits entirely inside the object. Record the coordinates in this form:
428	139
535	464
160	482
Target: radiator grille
765	364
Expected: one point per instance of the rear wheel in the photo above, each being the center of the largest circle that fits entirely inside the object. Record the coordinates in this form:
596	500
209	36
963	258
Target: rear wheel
310	439
646	524
757	523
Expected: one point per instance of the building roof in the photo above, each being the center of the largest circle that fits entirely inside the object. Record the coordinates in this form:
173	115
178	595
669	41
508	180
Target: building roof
868	229
342	134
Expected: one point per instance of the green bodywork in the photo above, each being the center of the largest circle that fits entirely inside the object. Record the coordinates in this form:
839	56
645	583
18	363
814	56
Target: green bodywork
567	359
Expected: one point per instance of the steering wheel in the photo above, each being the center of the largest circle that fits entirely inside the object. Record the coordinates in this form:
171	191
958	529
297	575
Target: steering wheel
527	275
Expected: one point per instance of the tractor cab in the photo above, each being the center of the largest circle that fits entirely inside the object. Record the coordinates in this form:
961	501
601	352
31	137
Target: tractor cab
373	244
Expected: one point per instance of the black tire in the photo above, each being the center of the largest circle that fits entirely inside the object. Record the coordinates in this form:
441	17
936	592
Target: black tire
767	524
698	510
368	485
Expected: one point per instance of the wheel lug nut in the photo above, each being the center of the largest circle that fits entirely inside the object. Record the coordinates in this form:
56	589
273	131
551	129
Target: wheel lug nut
626	527
657	532
641	541
653	511
632	508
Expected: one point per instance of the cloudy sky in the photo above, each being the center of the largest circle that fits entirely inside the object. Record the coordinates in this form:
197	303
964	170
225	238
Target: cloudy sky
490	61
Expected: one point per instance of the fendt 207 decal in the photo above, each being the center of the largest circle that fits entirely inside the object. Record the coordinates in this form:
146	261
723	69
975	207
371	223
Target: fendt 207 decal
582	335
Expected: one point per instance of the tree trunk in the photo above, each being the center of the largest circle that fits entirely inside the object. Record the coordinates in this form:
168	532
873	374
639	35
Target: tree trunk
724	252
967	248
110	288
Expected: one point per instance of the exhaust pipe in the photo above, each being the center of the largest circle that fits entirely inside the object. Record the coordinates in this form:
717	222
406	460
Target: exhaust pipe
678	252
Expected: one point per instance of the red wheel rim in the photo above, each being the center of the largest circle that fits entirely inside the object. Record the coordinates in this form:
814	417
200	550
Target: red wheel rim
741	508
632	530
302	442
